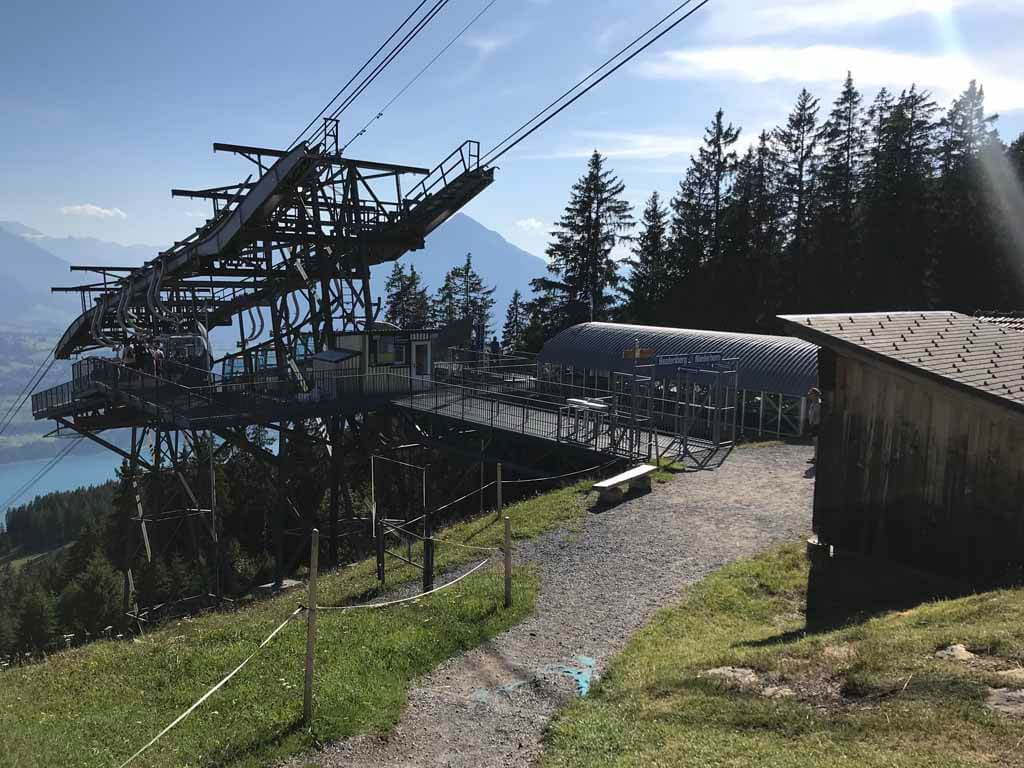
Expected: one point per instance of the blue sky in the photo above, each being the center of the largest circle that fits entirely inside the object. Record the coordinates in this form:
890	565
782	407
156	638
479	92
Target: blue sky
106	106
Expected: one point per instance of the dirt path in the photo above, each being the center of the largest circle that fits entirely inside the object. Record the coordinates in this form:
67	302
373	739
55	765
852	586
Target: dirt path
489	707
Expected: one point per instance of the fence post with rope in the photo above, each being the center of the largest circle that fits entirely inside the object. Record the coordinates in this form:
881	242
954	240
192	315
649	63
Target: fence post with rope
498	482
508	560
314	565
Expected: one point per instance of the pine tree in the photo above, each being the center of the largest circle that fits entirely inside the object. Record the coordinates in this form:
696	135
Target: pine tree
753	240
418	307
649	276
37	619
843	139
970	269
407	299
798	142
718	157
445	304
685	302
698	212
594	221
899	227
1015	154
396	296
546	313
514	331
92	601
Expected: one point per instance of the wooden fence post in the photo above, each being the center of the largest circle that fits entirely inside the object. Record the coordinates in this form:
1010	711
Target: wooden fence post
498	484
508	562
314	564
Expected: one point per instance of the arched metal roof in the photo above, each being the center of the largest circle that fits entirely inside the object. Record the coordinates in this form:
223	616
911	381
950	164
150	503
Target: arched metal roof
766	363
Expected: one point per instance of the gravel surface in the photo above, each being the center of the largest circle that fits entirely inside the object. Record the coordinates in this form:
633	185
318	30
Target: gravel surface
490	706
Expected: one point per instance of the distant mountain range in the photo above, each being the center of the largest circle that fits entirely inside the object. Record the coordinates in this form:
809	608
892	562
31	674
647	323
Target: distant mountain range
33	261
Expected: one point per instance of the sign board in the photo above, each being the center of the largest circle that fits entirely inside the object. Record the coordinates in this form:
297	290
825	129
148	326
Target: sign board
690	360
643	353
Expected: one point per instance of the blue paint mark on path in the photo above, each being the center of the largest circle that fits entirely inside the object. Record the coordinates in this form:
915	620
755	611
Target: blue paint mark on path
580	670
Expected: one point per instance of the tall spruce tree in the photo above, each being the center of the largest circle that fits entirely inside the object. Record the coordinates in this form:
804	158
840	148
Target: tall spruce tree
698	212
843	139
649	276
899	228
798	143
719	158
407	299
513	333
970	271
444	307
463	296
753	241
596	219
396	295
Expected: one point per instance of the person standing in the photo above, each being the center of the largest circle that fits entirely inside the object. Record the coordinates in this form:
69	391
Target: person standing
814	419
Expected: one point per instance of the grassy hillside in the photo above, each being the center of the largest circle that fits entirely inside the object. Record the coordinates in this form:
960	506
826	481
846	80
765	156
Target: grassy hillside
870	694
96	705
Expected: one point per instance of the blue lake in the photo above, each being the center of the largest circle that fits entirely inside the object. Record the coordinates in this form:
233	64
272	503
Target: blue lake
74	471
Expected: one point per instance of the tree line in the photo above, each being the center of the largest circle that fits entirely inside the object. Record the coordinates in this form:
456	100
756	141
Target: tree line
891	204
461	298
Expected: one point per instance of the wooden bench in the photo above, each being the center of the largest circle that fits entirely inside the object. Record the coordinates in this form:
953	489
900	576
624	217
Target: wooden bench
637	479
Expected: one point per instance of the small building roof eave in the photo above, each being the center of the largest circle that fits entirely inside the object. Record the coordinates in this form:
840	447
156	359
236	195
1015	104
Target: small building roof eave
797	325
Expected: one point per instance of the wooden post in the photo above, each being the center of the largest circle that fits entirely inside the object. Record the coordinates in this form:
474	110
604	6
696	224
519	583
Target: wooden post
307	698
498	485
508	562
428	541
378	534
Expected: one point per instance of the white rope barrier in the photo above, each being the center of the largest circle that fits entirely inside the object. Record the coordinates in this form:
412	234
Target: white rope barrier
560	477
413	598
215	688
463	498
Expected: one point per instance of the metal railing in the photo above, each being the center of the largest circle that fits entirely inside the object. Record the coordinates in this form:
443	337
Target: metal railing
496	404
464	158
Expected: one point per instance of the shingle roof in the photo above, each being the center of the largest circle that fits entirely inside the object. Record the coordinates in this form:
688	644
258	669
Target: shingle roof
968	351
766	363
1014	320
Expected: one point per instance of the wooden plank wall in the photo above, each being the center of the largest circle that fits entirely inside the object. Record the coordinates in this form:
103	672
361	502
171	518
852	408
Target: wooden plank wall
920	473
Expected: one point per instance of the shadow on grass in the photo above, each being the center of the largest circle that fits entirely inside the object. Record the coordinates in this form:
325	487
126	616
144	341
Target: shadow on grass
265	744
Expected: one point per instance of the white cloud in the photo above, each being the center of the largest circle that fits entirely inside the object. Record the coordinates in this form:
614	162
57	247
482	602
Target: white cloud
944	74
530	224
94	211
485	45
627	145
756	18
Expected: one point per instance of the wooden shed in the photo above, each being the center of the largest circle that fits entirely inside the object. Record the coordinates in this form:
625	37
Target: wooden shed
920	472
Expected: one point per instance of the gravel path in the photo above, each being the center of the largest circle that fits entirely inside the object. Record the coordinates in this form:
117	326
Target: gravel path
489	707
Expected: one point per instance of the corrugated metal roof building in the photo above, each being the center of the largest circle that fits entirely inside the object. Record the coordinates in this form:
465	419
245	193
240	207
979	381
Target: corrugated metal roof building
774	372
920	454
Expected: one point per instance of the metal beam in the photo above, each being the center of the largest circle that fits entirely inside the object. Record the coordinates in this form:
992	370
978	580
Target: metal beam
371	165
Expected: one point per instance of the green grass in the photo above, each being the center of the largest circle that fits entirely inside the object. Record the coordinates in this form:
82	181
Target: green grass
96	705
869	694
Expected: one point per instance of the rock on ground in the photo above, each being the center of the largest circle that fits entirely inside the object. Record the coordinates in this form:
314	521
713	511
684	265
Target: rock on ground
489	707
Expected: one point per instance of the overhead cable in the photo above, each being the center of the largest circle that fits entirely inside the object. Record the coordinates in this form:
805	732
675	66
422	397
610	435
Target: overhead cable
358	72
26	391
43	472
380	112
514	139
